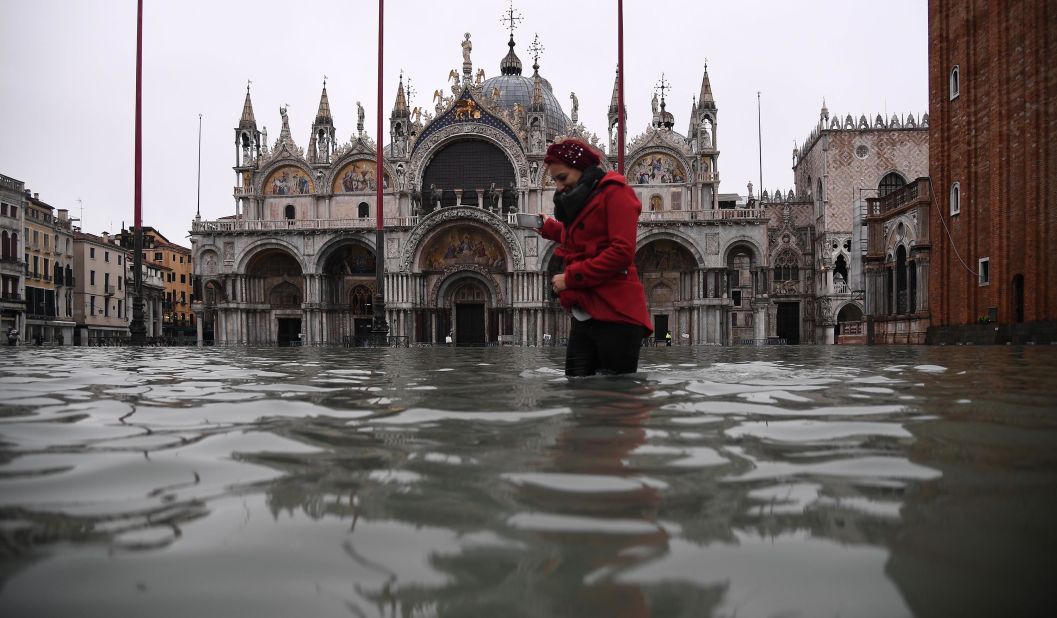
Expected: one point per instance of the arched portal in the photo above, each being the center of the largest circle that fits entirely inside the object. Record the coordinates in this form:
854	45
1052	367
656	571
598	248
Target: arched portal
461	168
275	280
666	269
469	301
347	290
744	280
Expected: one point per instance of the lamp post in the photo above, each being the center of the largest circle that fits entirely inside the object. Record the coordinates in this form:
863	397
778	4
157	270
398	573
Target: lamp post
380	329
137	329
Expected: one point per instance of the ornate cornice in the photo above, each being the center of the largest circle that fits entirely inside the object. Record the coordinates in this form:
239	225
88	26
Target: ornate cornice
444	216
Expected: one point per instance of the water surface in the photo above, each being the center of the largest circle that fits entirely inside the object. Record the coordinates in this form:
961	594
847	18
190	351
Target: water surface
795	481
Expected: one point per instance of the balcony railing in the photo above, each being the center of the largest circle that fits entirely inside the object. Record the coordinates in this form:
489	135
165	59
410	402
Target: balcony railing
244	225
11	298
721	215
243	190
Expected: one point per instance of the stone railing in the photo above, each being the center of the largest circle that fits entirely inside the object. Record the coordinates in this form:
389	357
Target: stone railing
721	215
257	225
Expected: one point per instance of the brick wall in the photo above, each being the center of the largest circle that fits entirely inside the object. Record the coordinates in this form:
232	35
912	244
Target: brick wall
996	140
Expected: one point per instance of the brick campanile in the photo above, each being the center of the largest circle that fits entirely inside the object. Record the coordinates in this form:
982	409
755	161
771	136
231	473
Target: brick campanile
993	163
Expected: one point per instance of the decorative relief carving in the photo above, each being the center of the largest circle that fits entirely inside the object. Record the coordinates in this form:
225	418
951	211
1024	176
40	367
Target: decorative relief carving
712	244
229	251
531	245
392	247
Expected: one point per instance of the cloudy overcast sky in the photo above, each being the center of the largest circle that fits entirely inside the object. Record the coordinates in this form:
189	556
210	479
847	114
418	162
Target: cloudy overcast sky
68	80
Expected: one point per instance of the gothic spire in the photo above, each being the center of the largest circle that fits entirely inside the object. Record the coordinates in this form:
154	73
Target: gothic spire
400	107
511	64
247	121
614	103
704	99
323	115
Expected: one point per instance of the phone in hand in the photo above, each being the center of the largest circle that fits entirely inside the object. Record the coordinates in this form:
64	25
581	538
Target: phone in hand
529	220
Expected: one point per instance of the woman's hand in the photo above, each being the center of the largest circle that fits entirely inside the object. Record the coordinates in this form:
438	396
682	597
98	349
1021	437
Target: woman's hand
558	283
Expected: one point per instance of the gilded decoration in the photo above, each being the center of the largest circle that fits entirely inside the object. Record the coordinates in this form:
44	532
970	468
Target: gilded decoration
359	177
437	218
463	245
289	180
657	168
483	274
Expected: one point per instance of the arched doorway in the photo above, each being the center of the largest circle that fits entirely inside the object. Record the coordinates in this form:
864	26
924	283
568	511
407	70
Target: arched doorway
348	291
743	283
461	168
849	324
469	299
1018	298
274	278
665	268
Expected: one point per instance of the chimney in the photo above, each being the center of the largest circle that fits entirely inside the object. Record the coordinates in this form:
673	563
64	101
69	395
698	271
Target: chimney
36	195
63	214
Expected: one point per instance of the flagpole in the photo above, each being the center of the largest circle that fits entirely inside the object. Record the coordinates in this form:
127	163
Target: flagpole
137	329
620	86
380	330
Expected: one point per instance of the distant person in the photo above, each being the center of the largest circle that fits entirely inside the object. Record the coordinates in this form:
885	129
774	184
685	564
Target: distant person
12	336
668	339
447	339
595	221
38	340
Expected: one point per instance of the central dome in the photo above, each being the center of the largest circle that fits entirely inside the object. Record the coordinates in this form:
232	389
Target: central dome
516	88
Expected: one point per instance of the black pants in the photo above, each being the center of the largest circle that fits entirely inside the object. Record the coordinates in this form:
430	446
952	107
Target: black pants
608	347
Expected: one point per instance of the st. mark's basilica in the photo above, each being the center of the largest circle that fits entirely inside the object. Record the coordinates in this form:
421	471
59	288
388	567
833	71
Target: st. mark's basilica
296	262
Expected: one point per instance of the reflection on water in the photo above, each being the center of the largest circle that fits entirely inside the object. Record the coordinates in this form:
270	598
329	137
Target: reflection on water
461	482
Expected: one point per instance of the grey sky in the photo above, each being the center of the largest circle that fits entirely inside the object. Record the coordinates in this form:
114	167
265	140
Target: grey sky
68	80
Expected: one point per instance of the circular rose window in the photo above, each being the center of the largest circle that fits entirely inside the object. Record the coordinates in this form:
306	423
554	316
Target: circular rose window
862	151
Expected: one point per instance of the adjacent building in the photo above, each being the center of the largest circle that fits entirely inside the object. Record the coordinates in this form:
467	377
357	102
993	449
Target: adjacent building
12	265
174	263
48	256
99	300
993	164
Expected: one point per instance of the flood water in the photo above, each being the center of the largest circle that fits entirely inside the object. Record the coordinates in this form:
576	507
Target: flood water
793	481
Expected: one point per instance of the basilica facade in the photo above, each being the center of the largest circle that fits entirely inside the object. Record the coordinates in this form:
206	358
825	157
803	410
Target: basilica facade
296	262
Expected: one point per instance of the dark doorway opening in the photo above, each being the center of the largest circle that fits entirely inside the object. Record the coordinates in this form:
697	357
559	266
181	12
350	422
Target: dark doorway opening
1018	299
469	324
362	328
660	326
289	332
788	326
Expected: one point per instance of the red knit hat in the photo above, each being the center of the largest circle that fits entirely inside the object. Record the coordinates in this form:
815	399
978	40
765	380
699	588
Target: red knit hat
572	152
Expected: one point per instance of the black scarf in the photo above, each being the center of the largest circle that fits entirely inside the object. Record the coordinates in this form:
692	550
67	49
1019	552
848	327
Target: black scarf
569	203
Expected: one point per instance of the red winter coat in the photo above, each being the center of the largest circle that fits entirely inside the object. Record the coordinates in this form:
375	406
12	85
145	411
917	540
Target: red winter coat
599	254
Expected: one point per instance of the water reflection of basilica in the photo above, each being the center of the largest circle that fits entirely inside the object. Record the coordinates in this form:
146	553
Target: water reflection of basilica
297	258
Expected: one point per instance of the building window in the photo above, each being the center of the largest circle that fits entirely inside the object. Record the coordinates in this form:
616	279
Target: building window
984	271
733	319
91	277
106	256
91	252
158	257
656	203
363	210
891	182
956	198
183	278
289	211
736	297
786	268
119	283
119	260
119	309
862	151
955	82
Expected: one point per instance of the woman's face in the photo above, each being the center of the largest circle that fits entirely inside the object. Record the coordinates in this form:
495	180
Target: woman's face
565	177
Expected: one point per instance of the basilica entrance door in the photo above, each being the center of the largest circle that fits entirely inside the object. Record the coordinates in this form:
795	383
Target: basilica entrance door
469	324
289	332
788	326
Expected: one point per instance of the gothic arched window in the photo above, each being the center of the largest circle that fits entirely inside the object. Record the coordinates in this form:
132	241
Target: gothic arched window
891	182
288	212
786	267
363	210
